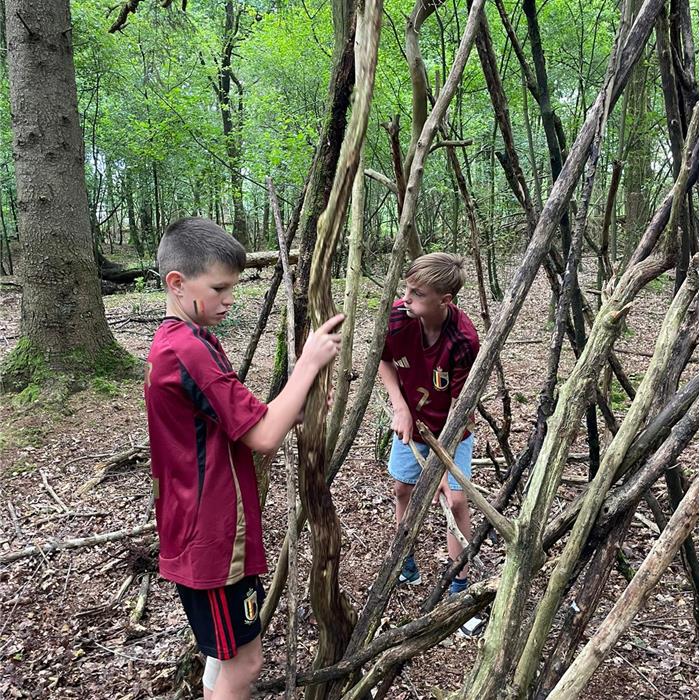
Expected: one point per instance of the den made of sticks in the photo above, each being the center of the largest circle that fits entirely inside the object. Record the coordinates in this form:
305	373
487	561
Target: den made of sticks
553	144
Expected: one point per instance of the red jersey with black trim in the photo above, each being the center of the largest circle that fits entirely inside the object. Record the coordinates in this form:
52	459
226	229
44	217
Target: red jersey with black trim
430	377
207	507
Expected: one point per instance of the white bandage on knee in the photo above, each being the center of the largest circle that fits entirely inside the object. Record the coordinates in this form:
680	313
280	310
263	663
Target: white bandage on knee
211	672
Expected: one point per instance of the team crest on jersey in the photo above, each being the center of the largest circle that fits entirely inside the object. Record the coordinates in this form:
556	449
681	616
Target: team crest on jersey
403	363
250	606
441	380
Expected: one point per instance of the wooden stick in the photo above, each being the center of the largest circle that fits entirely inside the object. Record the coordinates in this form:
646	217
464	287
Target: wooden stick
451	144
449	517
113	462
501	524
140	606
290	465
114	600
52	493
15	519
383	179
44	549
632	600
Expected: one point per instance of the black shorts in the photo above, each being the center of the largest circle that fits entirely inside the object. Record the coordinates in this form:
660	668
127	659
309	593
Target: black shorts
225	618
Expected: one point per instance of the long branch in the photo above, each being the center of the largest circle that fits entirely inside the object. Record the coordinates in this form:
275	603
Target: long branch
631	601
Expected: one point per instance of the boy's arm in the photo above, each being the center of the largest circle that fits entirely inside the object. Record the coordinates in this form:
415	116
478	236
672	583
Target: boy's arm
282	412
402	422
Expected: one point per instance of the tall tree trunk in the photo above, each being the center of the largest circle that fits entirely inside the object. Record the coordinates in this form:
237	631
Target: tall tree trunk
638	169
327	153
63	319
232	118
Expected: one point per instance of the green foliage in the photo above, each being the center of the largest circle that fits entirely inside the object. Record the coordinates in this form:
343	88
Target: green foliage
660	284
619	400
229	324
382	438
373	302
153	120
103	386
520	398
30	394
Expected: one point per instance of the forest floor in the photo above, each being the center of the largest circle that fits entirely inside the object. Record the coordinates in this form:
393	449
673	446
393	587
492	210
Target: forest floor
64	617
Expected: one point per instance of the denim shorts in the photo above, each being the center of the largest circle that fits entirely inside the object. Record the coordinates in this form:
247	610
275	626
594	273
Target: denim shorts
404	467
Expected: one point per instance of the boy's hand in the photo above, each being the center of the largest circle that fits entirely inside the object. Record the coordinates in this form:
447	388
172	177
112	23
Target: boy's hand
443	487
402	424
322	345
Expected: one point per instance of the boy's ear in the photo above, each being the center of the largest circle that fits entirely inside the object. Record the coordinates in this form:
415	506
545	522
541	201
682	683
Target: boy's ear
446	299
173	281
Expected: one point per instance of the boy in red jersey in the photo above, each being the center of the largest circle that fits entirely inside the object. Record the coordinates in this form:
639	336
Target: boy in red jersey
429	349
203	423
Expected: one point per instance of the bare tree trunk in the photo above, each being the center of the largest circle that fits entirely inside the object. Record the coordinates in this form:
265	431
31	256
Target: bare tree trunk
63	320
334	614
232	118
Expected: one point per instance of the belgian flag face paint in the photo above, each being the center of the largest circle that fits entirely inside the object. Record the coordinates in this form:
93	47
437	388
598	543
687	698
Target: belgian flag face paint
198	305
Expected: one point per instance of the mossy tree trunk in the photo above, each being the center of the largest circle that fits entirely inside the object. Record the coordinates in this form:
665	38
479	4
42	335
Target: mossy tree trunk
63	323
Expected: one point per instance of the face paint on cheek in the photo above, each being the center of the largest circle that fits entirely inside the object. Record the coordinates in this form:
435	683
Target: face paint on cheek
198	305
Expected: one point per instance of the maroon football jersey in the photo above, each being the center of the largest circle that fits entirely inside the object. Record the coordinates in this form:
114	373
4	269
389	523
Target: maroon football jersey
430	377
207	508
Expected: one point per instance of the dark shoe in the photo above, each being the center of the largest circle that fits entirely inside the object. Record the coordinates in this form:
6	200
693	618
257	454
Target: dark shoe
457	586
409	574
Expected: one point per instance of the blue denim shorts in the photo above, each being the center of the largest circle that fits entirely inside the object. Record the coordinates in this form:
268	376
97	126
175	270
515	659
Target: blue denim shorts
404	467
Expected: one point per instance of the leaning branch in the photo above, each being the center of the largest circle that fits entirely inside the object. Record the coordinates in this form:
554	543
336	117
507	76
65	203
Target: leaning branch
632	600
501	524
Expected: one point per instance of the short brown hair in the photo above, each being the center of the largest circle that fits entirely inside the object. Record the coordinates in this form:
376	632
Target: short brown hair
192	245
443	272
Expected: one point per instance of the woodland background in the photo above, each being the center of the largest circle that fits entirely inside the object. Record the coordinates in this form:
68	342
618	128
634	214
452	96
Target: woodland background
115	122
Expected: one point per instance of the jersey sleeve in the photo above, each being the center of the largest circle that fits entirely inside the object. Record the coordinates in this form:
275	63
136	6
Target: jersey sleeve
239	409
216	390
387	355
464	354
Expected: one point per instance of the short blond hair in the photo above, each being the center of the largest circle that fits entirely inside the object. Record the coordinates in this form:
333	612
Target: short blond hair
443	272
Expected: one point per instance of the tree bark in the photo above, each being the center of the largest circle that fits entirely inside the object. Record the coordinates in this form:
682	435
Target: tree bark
63	319
334	613
232	118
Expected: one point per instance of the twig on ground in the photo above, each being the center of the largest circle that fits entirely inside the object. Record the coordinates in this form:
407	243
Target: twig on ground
18	597
138	660
116	598
65	582
117	460
52	493
643	676
140	606
44	549
15	519
69	514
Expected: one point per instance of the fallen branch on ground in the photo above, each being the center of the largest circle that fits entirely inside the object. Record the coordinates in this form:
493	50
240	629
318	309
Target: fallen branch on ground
34	550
